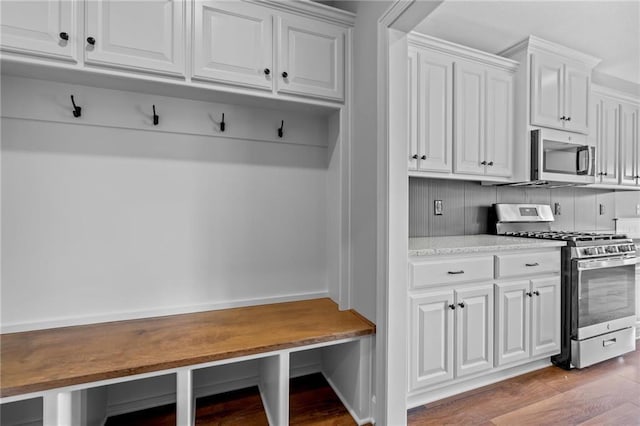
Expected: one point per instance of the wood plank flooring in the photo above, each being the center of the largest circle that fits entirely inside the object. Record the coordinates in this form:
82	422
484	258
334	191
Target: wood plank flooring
604	394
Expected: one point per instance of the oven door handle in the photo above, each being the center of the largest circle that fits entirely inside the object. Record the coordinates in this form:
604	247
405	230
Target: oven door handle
586	265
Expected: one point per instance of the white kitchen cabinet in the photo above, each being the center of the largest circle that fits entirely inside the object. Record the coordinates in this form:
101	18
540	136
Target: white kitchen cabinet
607	141
527	319
432	331
433	108
560	93
236	43
46	28
461	121
629	144
448	322
545	318
233	43
483	120
474	330
146	36
310	57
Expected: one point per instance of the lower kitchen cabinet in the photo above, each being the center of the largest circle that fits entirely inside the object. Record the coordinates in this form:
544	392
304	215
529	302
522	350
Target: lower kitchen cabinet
527	319
446	319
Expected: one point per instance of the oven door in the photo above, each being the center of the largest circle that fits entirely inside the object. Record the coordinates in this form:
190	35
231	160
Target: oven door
604	296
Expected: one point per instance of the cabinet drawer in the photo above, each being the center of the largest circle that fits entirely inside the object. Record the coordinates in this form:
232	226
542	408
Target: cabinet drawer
446	271
510	265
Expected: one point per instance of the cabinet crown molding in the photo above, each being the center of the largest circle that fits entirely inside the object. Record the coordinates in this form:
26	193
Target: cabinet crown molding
463	52
534	43
311	9
615	94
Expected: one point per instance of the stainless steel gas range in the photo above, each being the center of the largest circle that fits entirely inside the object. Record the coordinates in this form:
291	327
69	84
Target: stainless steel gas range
598	285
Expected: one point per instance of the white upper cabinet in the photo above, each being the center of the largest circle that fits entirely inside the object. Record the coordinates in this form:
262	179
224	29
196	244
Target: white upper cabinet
607	145
45	28
145	36
461	111
629	144
434	92
237	43
560	93
484	120
310	57
233	43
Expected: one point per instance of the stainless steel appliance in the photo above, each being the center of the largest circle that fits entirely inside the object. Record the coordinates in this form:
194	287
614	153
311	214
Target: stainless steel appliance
598	285
559	158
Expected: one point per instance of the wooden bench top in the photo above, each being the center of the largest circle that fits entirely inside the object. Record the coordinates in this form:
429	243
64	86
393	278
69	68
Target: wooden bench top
45	359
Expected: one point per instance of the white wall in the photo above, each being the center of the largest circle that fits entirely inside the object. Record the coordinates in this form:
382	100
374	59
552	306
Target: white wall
101	221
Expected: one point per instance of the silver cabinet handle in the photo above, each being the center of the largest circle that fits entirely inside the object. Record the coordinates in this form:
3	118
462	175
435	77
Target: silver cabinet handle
609	342
532	264
455	272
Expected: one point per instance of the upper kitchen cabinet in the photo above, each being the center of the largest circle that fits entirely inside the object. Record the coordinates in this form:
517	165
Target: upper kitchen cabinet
629	144
309	53
146	36
46	28
555	84
461	104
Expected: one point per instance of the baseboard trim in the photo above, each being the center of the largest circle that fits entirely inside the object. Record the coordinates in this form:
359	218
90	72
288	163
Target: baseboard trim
418	398
14	327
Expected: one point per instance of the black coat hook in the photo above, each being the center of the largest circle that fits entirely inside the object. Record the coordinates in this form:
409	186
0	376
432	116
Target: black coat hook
222	126
77	111
281	129
156	118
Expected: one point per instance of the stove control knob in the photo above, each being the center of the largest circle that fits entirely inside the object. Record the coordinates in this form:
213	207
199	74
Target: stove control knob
611	249
601	250
589	251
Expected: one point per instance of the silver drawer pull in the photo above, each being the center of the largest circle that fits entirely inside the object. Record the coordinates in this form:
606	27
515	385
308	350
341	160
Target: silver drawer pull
609	342
456	272
532	264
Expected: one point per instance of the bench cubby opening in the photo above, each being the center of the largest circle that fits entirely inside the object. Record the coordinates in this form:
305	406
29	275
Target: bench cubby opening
27	412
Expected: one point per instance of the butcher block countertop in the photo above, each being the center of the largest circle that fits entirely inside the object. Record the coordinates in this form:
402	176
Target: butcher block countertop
45	359
465	244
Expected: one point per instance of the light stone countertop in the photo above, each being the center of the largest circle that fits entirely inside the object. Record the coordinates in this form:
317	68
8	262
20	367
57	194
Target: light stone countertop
464	244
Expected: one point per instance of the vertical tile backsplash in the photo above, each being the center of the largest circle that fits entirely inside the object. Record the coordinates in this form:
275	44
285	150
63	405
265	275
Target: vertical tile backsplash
466	206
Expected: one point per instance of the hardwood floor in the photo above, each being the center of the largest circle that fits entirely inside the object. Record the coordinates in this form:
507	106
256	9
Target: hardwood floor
604	394
312	403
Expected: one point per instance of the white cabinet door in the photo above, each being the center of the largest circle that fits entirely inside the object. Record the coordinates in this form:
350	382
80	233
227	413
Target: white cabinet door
629	145
545	320
233	43
546	91
469	105
310	58
499	123
37	27
576	99
431	357
146	36
412	96
435	112
608	147
474	330
512	322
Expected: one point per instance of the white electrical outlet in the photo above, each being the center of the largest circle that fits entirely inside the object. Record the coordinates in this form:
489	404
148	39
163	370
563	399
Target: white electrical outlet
638	209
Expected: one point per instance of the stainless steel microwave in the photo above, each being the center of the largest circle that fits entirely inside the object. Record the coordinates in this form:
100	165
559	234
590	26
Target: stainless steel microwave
558	156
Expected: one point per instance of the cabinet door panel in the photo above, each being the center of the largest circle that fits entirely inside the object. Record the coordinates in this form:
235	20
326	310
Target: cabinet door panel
629	145
233	43
545	321
470	110
546	91
412	96
576	99
431	358
474	330
499	127
512	322
609	141
311	53
435	111
147	36
34	27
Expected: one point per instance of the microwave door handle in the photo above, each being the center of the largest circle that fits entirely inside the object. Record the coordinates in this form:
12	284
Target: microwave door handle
580	168
591	158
